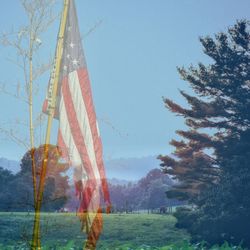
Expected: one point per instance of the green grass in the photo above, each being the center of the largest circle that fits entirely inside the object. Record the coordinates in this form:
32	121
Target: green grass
58	230
120	232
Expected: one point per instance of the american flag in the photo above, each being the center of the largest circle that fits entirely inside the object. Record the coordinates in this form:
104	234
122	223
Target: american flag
78	135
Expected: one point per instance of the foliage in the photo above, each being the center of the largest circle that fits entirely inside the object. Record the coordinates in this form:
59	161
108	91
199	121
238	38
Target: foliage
217	183
147	193
17	193
5	177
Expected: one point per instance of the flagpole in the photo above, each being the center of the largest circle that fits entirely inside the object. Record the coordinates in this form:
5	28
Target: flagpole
51	110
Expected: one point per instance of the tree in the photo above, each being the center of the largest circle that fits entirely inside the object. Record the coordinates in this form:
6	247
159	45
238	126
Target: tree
17	190
152	188
5	177
219	120
147	193
194	169
56	184
26	42
157	194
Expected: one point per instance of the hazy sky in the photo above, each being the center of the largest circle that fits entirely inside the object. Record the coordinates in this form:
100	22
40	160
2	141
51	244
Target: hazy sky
132	57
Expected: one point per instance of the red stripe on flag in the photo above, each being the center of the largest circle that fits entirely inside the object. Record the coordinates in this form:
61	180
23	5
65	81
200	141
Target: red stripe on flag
87	97
95	232
62	146
45	109
87	193
79	142
75	129
45	106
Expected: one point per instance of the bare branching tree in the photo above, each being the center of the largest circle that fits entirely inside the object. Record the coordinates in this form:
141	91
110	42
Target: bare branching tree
26	42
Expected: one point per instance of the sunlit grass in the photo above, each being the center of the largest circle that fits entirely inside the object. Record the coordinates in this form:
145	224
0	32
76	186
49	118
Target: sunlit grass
60	229
120	232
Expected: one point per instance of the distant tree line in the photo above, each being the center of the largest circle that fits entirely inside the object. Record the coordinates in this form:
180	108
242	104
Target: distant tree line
148	193
16	190
212	160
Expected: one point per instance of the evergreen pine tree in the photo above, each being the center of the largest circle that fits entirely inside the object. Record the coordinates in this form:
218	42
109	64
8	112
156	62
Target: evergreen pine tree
218	183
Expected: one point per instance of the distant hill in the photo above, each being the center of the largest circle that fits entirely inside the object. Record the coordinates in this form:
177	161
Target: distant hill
115	181
130	169
13	166
118	171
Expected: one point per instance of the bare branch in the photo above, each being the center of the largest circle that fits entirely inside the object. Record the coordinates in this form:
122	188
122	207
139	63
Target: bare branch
91	30
39	119
109	123
16	95
10	134
15	62
16	122
41	69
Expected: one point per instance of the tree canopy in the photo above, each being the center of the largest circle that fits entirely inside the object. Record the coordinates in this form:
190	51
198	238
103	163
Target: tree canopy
211	162
17	190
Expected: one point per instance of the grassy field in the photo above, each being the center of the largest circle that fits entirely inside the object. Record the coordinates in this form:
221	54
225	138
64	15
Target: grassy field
144	231
121	232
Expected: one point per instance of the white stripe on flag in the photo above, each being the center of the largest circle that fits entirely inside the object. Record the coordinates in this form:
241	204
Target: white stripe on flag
67	136
83	121
75	159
